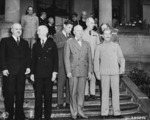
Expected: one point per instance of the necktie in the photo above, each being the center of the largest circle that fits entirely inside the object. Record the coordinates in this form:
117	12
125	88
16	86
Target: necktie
90	33
18	41
42	43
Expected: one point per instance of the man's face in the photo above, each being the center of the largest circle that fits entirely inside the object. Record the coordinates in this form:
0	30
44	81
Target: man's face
68	28
78	32
42	32
51	20
90	23
30	10
104	26
74	18
16	30
107	35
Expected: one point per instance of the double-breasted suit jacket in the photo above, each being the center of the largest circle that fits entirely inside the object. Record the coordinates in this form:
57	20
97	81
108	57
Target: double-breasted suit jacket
78	60
44	60
44	63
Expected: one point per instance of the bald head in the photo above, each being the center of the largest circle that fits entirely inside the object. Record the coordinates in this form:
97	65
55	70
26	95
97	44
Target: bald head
16	29
90	23
42	31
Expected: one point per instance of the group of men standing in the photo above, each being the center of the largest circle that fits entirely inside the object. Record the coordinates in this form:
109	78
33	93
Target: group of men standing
71	58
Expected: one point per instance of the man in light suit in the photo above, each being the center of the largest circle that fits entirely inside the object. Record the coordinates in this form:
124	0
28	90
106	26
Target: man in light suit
92	38
108	57
78	63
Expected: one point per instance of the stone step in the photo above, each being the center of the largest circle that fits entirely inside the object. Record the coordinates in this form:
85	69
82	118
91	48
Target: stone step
95	110
29	103
30	93
88	110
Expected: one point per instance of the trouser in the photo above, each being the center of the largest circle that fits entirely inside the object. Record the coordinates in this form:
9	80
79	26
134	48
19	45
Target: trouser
14	86
90	86
107	82
43	87
62	83
77	90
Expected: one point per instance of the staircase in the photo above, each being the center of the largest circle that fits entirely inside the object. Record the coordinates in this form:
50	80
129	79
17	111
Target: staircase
129	108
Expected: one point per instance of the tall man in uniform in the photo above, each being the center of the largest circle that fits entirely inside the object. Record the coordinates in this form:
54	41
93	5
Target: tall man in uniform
92	38
44	71
15	61
78	63
60	38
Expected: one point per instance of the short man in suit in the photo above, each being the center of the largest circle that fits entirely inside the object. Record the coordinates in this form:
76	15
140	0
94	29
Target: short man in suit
78	63
60	38
92	38
15	61
44	71
109	62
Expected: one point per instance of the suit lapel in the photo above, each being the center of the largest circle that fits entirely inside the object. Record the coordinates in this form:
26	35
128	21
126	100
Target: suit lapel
14	42
76	44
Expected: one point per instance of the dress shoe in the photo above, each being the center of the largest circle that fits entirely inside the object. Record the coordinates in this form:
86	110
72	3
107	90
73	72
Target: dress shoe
92	97
104	117
67	105
60	106
82	117
118	116
86	98
73	118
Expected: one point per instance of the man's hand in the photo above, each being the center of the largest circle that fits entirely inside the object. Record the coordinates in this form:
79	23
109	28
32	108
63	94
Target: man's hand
27	71
5	72
89	76
54	75
69	75
32	77
121	71
98	76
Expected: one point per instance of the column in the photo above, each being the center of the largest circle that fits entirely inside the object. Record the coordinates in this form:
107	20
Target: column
12	10
127	10
105	11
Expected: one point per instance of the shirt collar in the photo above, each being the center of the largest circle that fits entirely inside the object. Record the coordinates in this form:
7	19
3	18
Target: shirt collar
43	39
65	34
15	38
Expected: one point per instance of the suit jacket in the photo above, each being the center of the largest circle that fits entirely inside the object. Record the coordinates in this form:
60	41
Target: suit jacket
44	60
60	40
29	25
92	38
108	56
78	60
42	22
14	58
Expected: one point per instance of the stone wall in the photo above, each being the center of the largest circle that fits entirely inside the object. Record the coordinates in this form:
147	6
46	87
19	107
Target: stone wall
136	49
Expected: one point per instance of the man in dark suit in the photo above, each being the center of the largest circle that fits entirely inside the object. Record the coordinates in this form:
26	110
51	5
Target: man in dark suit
44	71
15	61
42	18
60	38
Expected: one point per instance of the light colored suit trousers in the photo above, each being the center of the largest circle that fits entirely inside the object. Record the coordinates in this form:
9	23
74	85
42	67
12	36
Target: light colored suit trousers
107	82
77	88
